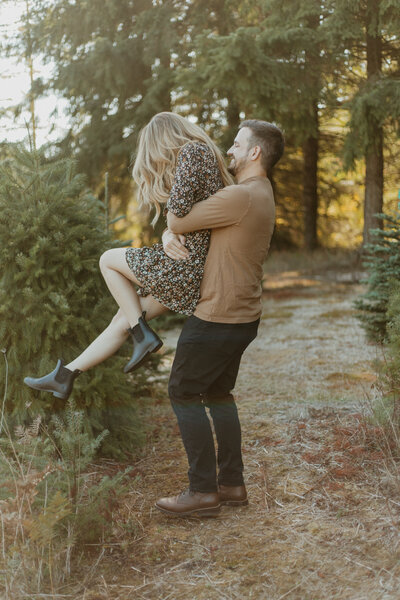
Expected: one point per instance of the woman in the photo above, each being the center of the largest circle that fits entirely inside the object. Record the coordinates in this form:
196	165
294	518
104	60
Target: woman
177	165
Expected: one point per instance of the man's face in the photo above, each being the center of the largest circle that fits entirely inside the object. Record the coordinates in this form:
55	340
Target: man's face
240	151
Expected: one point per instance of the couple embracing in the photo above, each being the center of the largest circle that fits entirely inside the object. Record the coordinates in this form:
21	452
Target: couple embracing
208	266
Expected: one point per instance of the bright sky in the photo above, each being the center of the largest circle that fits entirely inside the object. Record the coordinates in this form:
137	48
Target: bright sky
14	85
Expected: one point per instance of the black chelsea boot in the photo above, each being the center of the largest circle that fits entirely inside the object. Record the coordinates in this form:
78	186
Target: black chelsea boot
60	381
145	341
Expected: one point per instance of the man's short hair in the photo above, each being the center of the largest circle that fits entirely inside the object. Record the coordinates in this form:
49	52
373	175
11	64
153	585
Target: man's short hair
270	139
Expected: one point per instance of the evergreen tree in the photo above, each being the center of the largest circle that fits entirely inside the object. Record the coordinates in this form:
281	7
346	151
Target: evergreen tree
202	92
298	64
383	266
221	75
367	32
53	301
114	63
293	36
274	65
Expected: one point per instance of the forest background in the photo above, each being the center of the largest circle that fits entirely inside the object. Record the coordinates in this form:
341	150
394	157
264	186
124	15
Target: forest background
326	71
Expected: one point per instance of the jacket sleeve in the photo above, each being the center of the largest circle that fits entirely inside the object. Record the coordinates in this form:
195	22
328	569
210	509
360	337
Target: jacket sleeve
227	207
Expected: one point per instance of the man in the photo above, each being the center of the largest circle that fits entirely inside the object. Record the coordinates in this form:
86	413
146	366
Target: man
224	323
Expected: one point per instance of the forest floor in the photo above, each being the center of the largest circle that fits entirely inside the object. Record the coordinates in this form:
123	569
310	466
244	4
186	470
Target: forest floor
324	514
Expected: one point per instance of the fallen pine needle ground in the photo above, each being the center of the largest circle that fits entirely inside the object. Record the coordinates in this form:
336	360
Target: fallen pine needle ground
324	513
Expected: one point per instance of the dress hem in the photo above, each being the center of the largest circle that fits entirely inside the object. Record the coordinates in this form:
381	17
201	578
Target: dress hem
142	293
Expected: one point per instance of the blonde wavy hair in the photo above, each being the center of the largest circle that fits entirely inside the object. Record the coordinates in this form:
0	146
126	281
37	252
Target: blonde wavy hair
160	142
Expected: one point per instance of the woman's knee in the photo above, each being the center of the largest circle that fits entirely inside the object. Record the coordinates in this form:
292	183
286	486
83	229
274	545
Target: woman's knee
114	259
105	260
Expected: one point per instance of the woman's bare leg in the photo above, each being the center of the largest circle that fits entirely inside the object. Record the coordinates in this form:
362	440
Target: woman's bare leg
114	336
118	277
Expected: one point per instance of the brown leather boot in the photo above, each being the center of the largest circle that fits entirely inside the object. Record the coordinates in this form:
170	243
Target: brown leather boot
235	495
191	504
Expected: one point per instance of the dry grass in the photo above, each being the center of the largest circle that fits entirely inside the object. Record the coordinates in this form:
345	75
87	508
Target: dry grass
337	314
323	520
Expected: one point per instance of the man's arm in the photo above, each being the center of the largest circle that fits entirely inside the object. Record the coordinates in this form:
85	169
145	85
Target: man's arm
227	207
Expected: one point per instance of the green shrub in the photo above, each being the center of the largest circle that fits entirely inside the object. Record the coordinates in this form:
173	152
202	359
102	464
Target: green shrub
383	266
53	300
393	326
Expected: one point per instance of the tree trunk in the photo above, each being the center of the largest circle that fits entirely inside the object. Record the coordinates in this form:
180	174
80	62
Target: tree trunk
166	87
233	115
373	202
310	186
374	155
233	120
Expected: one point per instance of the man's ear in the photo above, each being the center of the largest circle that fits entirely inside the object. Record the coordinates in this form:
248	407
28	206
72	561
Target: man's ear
255	153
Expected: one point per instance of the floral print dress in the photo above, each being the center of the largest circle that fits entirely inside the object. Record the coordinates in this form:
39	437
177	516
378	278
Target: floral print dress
176	283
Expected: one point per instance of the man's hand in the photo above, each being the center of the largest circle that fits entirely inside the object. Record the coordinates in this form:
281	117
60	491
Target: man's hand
174	245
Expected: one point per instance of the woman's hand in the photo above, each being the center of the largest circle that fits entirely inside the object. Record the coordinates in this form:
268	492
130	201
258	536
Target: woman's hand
174	245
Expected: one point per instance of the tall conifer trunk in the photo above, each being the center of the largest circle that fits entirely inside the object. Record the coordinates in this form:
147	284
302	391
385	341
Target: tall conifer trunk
374	155
310	185
233	120
311	143
233	109
233	115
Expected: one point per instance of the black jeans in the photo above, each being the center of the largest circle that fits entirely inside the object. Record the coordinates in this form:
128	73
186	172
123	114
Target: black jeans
203	374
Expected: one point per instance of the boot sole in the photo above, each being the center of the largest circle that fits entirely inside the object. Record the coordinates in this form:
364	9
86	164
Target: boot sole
152	349
213	511
56	394
62	396
234	502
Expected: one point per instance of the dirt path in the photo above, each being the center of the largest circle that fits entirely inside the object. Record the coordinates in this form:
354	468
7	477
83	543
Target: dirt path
321	524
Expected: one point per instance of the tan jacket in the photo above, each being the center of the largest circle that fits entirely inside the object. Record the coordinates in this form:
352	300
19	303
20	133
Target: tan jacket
242	220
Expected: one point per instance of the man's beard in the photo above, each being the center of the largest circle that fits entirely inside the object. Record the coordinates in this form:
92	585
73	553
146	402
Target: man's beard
235	166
